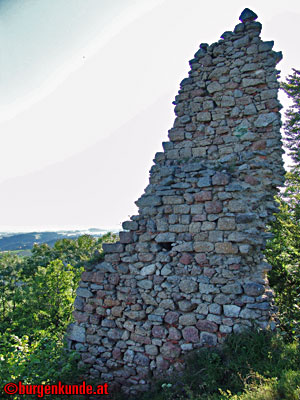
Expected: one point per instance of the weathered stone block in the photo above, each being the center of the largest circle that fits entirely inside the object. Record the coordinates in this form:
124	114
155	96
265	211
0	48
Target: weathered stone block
207	326
231	310
225	248
76	333
165	238
204	195
190	334
188	286
226	224
213	207
203	247
208	339
113	247
254	289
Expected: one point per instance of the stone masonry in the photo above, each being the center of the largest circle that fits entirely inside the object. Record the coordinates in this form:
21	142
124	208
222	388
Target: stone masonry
188	269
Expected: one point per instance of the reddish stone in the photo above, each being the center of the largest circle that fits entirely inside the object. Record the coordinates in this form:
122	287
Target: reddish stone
161	363
108	287
116	353
140	339
191	334
186	259
199	218
146	257
158	279
94	319
114	279
198	92
87	276
171	317
251	180
170	350
80	316
220	179
231	85
209	272
111	302
213	207
234	267
259	145
207	326
159	332
201	258
117	311
100	294
98	277
89	308
204	195
112	258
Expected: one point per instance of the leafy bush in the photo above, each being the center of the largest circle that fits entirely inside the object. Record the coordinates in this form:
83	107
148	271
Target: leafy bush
36	300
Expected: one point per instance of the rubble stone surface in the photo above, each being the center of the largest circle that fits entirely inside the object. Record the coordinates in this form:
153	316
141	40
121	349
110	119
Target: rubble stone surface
189	269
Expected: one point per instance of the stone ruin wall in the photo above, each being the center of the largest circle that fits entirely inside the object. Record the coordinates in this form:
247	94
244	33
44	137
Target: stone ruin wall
188	269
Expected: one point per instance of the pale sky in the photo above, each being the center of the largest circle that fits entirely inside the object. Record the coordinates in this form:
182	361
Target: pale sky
86	91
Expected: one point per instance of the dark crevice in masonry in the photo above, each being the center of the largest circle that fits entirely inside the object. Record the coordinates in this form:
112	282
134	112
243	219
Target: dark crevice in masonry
166	245
188	269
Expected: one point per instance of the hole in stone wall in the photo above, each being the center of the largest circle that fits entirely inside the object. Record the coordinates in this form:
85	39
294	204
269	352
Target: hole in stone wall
166	245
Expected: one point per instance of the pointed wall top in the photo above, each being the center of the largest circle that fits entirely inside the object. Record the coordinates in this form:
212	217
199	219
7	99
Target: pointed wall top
248	15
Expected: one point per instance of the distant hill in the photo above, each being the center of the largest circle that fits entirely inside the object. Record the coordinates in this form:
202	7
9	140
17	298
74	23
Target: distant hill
25	241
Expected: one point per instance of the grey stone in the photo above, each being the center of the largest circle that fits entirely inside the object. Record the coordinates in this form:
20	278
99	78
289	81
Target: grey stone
186	305
231	311
227	101
232	288
214	87
165	238
83	292
130	225
247	15
253	289
187	319
128	356
204	182
241	42
166	270
148	201
215	309
151	349
105	267
148	270
145	284
250	109
113	247
265	119
221	299
208	339
76	333
204	116
188	286
266	46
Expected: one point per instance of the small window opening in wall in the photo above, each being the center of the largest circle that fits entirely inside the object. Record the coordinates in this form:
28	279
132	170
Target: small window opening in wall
166	245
